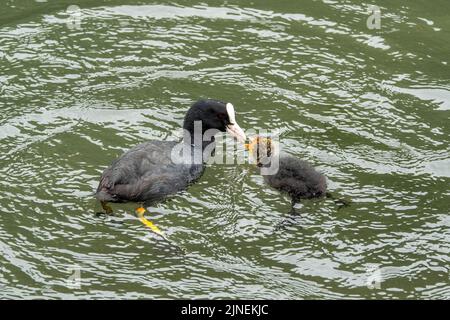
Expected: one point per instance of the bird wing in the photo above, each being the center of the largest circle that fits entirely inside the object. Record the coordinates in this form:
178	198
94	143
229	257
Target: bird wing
151	186
144	172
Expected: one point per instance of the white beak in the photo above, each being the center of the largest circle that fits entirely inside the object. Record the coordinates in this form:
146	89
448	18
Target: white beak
234	128
236	132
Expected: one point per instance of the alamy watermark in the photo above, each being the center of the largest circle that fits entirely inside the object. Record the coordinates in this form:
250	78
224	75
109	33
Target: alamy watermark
74	280
373	277
209	147
73	22
374	20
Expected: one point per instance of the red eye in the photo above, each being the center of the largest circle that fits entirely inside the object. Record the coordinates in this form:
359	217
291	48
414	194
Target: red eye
222	116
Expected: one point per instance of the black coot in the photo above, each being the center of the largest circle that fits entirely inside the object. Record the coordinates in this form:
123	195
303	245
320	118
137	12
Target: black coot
148	172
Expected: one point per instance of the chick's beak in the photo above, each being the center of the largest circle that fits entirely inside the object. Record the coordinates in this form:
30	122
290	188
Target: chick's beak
236	132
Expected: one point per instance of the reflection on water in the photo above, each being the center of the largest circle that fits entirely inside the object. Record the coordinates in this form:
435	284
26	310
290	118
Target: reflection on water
369	108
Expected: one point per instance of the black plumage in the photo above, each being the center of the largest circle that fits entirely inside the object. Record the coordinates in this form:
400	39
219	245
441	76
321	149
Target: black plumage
298	179
147	172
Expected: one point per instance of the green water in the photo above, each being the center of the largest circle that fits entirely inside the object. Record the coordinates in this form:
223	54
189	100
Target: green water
368	107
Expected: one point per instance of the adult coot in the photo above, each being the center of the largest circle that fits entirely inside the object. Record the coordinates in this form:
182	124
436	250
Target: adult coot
296	177
153	170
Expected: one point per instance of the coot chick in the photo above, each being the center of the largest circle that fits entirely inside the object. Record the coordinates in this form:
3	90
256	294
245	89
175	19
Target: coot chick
148	173
296	177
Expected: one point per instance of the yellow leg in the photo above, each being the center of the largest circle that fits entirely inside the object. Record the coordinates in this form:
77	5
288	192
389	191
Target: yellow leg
106	207
140	213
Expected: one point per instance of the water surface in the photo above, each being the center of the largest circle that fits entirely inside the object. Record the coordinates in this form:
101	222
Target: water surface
369	108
